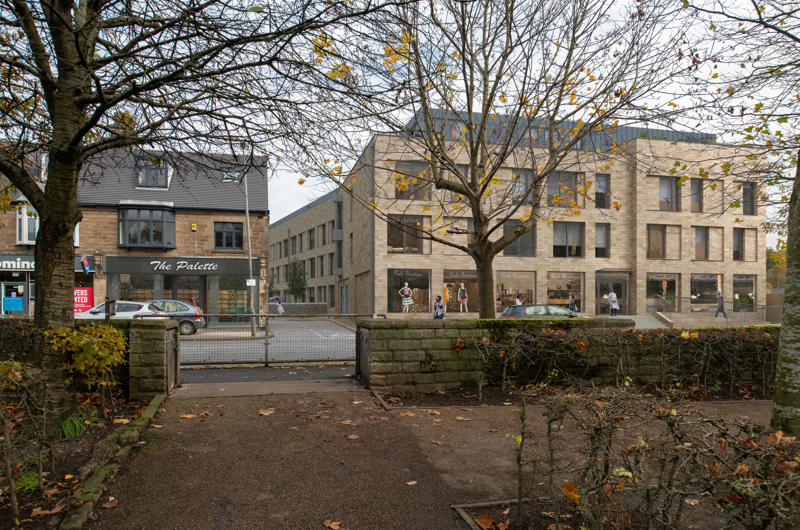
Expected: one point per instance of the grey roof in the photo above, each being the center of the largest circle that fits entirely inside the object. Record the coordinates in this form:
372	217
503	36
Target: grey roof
196	183
308	206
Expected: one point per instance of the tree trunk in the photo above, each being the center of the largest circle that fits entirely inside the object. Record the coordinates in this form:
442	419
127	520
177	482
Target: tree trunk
786	403
486	302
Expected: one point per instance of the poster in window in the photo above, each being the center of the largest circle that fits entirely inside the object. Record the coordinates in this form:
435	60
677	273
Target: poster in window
461	290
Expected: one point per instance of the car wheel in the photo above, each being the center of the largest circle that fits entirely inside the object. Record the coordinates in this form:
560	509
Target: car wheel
186	328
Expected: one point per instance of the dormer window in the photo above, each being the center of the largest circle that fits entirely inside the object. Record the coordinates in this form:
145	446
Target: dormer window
230	176
153	171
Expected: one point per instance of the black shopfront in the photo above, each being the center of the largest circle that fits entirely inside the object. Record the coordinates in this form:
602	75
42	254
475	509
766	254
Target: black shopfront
218	285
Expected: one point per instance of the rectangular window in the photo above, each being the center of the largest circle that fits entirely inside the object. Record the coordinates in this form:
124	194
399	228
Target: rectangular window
602	247
697	195
656	241
277	275
409	291
311	239
738	244
404	234
313	267
146	228
749	199
152	171
511	285
523	245
311	294
300	243
703	288
294	245
567	240
470	232
602	191
332	295
701	242
744	292
323	237
522	185
562	189
330	262
321	266
228	236
412	180
562	284
27	225
668	196
286	248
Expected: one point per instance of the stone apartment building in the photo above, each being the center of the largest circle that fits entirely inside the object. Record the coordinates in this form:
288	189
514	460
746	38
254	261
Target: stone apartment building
640	229
154	226
313	236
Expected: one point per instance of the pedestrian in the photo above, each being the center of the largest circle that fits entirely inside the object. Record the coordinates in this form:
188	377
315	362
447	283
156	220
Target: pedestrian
438	309
573	306
613	305
193	301
518	301
280	308
720	305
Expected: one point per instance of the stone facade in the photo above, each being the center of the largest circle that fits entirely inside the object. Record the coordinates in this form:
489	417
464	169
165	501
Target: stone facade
311	236
149	357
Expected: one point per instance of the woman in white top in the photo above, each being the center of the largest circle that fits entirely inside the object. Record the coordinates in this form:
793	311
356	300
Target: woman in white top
612	302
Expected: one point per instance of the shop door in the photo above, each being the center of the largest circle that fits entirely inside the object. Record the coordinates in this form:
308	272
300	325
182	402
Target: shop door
13	300
620	289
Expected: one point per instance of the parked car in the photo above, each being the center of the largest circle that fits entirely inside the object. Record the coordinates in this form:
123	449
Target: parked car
275	299
538	311
189	316
125	309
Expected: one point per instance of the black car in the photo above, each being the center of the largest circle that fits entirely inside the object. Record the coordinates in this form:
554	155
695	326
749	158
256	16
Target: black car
538	311
189	316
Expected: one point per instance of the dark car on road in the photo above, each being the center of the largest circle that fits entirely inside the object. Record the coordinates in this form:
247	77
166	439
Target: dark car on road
538	311
189	316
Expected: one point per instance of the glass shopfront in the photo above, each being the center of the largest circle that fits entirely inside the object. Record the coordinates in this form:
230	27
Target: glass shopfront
662	292
704	288
561	284
744	292
606	282
511	284
461	290
415	285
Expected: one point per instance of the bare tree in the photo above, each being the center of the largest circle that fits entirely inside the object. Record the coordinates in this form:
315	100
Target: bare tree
82	78
476	88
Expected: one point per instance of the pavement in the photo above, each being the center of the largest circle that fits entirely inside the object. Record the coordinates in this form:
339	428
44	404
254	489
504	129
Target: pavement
294	458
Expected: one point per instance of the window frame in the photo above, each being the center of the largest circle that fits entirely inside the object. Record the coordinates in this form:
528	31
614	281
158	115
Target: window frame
738	237
234	231
555	182
167	229
696	192
521	182
567	253
607	246
704	231
602	199
146	165
24	224
671	205
411	170
515	247
312	267
651	228
394	222
311	239
294	245
749	198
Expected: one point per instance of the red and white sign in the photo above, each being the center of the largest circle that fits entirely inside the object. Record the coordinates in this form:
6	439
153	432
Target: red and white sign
84	299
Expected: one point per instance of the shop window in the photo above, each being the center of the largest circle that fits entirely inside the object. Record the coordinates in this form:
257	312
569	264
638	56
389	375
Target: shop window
744	292
416	298
461	290
152	171
656	241
697	195
146	228
561	284
524	245
668	196
602	245
403	234
562	189
701	242
738	244
749	199
510	285
602	191
412	180
567	240
665	286
228	236
703	288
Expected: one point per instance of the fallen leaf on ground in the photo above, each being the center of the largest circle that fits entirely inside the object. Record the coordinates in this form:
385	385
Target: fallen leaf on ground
384	418
221	389
459	418
353	437
411	483
393	400
503	526
205	413
409	413
92	516
431	411
157	426
468	410
692	502
17	470
188	416
121	421
572	493
347	422
76	487
37	512
559	527
67	477
333	526
507	510
265	412
493	430
50	493
357	402
111	503
485	522
161	410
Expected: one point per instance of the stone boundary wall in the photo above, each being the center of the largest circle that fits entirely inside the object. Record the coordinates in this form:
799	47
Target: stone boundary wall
317	308
418	355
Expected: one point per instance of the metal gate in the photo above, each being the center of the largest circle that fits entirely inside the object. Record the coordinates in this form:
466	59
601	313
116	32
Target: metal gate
292	338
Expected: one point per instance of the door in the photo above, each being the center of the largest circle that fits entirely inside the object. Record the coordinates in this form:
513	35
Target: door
620	289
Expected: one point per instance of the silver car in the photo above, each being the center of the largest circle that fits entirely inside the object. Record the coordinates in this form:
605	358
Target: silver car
189	316
125	309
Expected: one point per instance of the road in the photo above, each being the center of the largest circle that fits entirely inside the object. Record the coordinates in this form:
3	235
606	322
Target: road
294	340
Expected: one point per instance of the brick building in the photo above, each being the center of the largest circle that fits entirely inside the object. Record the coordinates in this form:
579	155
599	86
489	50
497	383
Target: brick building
313	236
673	237
154	226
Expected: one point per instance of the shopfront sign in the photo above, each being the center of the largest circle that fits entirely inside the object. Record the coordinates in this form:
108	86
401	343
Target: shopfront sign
84	299
183	266
26	262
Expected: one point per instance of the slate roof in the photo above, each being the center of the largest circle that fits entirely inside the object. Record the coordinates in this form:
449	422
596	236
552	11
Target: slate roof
196	183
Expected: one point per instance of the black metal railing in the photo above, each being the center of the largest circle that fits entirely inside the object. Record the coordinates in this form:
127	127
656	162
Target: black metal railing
738	313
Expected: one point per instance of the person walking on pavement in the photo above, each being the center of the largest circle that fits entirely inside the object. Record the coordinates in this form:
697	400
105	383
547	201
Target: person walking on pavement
573	306
613	305
720	305
438	309
518	301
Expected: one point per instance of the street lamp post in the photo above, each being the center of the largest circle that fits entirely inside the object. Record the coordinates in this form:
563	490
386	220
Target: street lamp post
250	281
